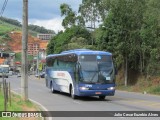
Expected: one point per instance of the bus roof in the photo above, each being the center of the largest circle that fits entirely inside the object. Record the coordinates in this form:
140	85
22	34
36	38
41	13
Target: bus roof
4	65
81	52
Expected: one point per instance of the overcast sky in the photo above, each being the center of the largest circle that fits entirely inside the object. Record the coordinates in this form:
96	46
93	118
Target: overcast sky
41	12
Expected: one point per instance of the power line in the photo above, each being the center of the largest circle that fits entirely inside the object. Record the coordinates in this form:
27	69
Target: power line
3	8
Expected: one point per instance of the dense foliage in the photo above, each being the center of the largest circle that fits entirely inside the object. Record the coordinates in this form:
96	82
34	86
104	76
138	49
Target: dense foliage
130	29
40	29
132	33
73	38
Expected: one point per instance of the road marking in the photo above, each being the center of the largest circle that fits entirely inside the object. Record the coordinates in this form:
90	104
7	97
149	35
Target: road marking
144	103
155	104
139	102
45	109
76	102
16	89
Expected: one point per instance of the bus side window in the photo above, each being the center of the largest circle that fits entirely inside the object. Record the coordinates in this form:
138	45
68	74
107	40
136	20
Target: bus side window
54	64
78	72
57	62
76	68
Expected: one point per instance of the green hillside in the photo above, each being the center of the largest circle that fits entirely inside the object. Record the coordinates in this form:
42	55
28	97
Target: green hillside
7	25
5	28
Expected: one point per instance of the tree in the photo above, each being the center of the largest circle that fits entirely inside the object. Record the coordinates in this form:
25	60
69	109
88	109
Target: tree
151	37
89	11
69	39
77	43
122	31
71	17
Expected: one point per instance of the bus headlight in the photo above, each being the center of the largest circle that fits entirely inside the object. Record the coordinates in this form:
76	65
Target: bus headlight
83	88
111	88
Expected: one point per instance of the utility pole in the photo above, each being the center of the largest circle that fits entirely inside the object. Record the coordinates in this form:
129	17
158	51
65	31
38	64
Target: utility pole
24	67
38	65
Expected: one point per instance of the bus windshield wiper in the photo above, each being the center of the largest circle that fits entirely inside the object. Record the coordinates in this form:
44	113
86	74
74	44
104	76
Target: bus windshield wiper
93	77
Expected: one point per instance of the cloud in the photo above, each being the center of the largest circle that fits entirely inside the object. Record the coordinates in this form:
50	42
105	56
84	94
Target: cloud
53	24
40	9
44	13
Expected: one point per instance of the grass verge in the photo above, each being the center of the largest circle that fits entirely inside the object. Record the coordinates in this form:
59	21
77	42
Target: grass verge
17	104
143	86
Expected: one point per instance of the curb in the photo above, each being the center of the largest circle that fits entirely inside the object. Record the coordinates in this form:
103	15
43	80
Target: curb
43	108
37	103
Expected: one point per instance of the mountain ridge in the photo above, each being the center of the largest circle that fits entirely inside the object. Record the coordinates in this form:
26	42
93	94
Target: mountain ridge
31	27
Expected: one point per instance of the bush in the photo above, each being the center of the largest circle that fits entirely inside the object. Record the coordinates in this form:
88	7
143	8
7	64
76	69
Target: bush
155	90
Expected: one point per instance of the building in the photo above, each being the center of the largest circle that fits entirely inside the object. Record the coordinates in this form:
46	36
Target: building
2	60
45	36
34	44
33	48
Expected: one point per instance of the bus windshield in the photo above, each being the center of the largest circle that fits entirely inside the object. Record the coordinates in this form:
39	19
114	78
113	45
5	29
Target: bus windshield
1	70
97	70
4	69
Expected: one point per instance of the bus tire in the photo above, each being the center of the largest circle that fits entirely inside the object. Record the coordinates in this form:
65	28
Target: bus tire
71	93
102	97
52	88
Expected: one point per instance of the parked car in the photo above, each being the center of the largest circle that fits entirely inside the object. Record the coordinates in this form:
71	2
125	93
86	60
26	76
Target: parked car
18	74
42	74
10	73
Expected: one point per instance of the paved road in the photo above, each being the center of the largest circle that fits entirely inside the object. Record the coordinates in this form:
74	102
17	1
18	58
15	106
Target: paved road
122	101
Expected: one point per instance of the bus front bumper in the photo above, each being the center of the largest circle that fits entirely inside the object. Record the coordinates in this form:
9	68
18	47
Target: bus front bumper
96	93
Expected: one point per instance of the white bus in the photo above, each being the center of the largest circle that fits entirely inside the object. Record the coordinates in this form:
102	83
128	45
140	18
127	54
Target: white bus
4	71
81	73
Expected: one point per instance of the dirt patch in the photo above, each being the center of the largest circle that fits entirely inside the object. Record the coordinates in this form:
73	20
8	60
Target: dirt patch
156	81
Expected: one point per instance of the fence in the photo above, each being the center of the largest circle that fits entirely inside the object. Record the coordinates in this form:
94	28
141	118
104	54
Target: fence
5	89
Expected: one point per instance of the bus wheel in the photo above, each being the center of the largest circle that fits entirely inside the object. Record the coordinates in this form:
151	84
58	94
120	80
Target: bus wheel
72	94
102	97
52	89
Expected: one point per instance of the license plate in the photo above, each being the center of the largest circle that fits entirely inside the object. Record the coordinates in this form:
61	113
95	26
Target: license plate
97	93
